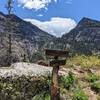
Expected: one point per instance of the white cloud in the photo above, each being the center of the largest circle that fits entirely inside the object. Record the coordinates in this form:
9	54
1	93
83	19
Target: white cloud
56	26
38	4
35	4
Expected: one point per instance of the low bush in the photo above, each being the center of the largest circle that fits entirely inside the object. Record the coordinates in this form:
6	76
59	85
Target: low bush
80	95
96	86
70	83
92	77
67	82
22	88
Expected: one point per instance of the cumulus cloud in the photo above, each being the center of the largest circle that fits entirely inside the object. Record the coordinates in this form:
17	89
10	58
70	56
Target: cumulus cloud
35	4
38	4
56	26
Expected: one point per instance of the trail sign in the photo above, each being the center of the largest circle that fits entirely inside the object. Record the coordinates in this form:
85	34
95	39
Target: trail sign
55	63
58	53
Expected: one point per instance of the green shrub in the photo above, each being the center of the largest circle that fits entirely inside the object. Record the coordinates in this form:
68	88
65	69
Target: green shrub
70	83
23	88
67	81
92	77
80	95
96	86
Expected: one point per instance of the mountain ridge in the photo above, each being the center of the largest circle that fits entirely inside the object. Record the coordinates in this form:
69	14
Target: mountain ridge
87	33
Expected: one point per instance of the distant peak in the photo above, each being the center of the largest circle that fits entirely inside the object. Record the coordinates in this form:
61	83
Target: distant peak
85	18
87	21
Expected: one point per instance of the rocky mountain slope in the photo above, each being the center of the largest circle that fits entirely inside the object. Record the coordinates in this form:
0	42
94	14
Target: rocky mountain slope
26	38
28	41
85	37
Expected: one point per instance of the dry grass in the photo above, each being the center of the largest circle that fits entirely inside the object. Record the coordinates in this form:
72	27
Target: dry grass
84	61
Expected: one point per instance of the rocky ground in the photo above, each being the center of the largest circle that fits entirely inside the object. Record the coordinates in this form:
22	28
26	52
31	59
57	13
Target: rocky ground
28	69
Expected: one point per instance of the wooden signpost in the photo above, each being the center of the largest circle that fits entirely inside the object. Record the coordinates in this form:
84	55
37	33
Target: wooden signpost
55	63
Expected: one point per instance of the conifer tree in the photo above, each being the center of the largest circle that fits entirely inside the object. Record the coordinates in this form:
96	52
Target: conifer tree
9	7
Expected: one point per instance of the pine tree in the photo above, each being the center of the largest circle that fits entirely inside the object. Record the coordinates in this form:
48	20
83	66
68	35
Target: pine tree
9	7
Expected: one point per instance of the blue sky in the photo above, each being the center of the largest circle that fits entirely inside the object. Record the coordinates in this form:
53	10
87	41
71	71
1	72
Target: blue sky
49	10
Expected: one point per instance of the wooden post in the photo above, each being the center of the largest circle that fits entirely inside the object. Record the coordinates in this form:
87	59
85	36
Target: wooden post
55	93
55	90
